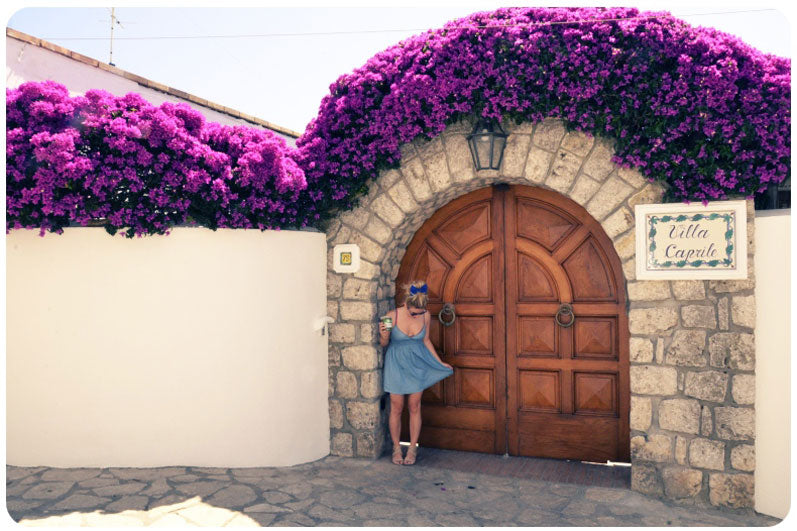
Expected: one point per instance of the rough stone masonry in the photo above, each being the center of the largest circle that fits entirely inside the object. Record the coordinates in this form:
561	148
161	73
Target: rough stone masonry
692	350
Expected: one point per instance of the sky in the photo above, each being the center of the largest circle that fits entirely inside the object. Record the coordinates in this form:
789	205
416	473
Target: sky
277	63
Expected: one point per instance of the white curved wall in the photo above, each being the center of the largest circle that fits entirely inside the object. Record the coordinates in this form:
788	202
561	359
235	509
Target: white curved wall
195	348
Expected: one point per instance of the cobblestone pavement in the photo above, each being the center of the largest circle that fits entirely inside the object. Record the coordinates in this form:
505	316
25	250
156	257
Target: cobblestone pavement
333	491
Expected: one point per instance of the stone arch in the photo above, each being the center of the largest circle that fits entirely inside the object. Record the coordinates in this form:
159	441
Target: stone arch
678	328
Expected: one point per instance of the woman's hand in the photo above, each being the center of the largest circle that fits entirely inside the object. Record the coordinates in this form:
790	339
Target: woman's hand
447	365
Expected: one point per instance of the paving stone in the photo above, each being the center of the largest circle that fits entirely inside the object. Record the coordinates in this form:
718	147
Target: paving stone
116	490
265	508
147	474
13	473
263	519
136	503
233	496
81	501
48	490
70	474
200	488
98	482
159	487
243	521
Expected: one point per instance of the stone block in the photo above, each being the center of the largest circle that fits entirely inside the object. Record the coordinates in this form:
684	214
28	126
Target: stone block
687	349
649	290
698	316
723	313
618	222
357	218
367	271
371	384
334	284
332	309
563	171
656	448
360	358
389	177
743	457
653	380
368	445
549	133
732	286
731	490
346	385
342	444
415	176
584	189
334	356
743	310
358	289
341	333
401	195
705	453
357	311
611	194
378	231
681	445
681	415
578	143
629	269
436	168
641	350
681	482
537	165
335	414
626	248
632	177
460	161
645	479
743	389
362	415
649	195
599	163
706	385
369	249
515	154
341	237
731	350
368	333
641	413
386	209
648	321
706	421
689	290
735	423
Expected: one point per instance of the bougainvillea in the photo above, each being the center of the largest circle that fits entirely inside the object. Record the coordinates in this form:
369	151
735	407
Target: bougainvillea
136	166
693	108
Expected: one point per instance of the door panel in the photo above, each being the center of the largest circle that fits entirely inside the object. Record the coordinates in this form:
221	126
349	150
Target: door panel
523	383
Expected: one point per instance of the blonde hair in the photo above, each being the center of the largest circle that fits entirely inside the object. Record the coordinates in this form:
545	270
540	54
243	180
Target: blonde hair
418	300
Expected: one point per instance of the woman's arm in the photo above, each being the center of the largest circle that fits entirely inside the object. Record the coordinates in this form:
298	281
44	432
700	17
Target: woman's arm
384	334
428	342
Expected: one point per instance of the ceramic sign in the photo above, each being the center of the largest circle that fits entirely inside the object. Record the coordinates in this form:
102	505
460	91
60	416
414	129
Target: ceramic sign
679	241
346	258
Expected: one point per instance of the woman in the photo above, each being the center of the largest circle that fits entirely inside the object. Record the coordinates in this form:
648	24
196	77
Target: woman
411	365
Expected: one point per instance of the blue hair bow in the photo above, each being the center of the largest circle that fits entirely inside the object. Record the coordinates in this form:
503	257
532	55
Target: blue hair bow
422	289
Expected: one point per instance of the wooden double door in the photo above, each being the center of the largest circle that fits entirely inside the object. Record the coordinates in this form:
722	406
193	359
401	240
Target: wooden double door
532	377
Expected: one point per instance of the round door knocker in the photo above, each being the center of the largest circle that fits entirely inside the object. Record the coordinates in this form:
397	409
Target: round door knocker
565	309
448	309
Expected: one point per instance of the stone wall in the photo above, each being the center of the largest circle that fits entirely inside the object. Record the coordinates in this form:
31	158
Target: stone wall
692	351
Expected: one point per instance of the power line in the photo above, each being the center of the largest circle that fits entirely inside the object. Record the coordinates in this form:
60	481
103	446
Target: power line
332	33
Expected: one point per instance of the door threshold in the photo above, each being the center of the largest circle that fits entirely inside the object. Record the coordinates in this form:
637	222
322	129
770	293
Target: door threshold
610	475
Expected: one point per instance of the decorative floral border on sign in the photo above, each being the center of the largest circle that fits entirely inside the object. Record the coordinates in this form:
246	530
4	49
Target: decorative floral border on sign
730	223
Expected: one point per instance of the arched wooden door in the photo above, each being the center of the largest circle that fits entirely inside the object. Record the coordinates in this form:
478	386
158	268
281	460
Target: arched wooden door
508	258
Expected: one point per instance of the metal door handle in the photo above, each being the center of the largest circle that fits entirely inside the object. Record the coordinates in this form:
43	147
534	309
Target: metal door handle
565	309
448	309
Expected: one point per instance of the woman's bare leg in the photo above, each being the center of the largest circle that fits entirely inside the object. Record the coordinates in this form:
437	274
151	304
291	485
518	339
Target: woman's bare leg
414	406
396	405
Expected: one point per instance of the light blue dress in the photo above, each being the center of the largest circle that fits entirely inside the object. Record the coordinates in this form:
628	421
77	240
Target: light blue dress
409	366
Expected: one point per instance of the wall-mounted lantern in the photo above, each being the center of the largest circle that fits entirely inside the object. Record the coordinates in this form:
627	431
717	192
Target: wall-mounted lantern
487	142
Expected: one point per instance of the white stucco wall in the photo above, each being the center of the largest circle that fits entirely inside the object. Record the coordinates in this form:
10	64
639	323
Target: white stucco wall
26	62
773	367
192	349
